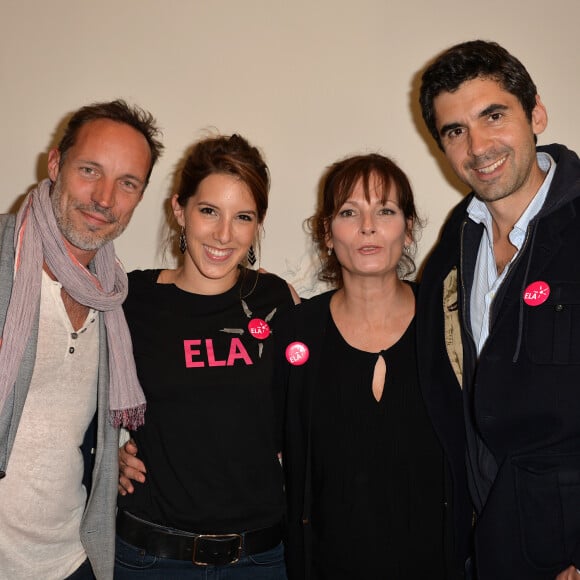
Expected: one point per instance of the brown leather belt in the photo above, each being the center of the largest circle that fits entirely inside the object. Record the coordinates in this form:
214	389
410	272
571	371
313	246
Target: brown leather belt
201	549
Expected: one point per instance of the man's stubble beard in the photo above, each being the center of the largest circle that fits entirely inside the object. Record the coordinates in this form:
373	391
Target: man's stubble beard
91	239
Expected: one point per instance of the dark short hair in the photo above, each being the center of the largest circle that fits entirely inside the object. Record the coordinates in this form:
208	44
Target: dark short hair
470	60
230	155
120	112
337	185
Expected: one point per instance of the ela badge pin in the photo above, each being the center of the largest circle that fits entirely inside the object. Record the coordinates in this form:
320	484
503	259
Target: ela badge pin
536	293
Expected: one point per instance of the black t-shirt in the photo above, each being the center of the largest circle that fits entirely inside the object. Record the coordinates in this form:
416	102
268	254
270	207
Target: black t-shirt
212	427
377	476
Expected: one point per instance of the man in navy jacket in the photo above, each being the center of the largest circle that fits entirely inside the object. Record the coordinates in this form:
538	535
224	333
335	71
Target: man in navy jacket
499	313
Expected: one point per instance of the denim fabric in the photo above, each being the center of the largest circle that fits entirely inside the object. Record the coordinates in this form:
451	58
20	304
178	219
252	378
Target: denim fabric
83	572
132	563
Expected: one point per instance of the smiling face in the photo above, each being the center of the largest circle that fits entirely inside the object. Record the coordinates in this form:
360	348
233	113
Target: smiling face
489	140
368	236
98	184
220	223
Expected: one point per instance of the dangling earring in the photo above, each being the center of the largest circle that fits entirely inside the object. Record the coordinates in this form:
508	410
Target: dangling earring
329	251
182	241
251	256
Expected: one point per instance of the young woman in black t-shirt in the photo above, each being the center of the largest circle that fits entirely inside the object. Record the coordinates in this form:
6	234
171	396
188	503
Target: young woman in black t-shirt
207	494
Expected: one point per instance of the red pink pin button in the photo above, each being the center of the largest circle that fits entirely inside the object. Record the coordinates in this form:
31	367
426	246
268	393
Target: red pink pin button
297	353
259	328
536	293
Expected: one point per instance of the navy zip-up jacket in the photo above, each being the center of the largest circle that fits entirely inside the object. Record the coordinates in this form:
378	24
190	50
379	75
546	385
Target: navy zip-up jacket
521	396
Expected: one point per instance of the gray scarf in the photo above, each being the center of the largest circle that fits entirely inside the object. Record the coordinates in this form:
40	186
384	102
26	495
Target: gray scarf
37	240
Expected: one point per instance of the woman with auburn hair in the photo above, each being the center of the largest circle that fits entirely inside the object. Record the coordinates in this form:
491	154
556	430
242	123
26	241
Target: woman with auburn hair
364	468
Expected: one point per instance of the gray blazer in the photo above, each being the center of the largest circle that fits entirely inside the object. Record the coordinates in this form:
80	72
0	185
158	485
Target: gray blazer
98	522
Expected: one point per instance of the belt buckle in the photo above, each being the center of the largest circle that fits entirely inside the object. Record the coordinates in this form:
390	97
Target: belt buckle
216	537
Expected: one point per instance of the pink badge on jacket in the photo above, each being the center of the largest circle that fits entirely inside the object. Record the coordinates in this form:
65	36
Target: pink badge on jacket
297	353
536	293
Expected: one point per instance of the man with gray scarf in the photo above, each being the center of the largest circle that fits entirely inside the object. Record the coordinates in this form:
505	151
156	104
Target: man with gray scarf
67	376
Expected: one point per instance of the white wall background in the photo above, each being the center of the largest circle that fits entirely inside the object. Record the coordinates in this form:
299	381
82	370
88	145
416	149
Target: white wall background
308	81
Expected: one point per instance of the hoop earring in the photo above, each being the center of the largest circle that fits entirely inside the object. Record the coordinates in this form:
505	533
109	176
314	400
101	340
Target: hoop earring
182	241
251	256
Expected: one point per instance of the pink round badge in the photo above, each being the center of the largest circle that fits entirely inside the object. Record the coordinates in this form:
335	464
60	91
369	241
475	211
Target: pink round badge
259	328
536	293
297	353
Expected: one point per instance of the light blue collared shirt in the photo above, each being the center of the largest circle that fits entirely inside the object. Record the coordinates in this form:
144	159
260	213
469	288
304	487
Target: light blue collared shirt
486	280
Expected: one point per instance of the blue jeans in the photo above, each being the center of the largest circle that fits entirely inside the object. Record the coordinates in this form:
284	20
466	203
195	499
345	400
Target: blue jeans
132	563
83	572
